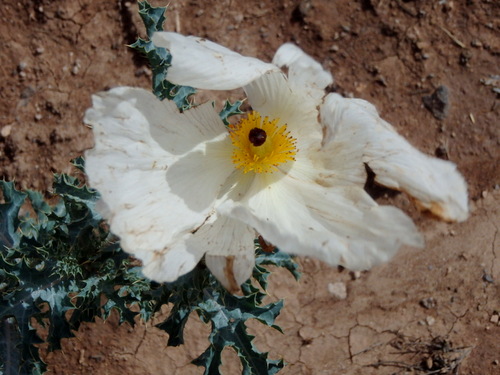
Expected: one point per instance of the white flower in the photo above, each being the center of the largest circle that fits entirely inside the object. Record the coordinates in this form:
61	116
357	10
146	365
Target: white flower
178	186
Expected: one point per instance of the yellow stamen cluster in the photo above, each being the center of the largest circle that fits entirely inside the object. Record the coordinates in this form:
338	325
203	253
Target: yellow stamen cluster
260	145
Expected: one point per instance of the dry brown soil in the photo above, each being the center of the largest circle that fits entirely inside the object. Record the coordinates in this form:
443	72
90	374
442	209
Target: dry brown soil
55	54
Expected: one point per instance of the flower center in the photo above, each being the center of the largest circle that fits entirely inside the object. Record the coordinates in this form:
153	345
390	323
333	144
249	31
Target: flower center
257	136
260	145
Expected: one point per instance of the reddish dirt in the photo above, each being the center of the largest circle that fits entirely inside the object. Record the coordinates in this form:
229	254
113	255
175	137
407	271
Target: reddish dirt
55	54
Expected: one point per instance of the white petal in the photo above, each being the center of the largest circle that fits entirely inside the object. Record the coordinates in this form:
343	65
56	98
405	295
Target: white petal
132	171
169	264
226	237
200	63
272	96
181	132
229	248
305	74
199	175
159	120
231	271
337	225
435	183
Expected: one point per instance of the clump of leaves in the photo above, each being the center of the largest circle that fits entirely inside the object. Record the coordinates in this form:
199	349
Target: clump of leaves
58	259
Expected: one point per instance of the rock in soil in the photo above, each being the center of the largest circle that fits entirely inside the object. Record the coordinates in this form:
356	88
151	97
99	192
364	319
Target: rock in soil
438	102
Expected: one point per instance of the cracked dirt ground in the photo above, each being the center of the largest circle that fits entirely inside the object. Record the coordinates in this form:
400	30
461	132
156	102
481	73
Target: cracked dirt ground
55	54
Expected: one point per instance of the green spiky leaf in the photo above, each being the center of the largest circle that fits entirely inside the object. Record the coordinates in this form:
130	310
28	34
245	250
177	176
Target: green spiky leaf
160	58
227	314
43	272
9	214
153	17
230	109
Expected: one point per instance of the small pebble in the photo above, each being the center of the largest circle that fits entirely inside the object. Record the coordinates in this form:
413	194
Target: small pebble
38	117
5	132
355	275
488	278
428	303
495	319
429	363
438	102
39	50
76	67
22	66
334	48
143	71
476	43
239	18
338	290
346	28
304	8
430	320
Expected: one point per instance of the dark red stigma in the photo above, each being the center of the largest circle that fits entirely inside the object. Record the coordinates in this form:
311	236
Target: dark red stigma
257	136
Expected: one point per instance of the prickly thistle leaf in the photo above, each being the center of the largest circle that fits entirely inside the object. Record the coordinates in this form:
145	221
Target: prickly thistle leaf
230	109
160	58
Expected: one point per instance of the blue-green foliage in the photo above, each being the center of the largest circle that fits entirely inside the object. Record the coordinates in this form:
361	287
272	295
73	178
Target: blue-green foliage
230	109
55	258
60	257
59	262
159	58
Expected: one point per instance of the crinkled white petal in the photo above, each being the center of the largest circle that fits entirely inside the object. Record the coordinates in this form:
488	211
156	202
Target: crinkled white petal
226	237
340	225
230	250
272	96
199	175
200	63
305	74
135	174
160	120
231	271
170	263
180	133
227	243
435	183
